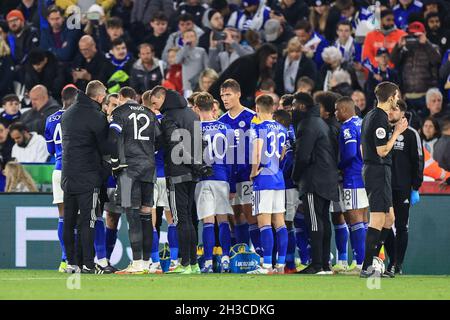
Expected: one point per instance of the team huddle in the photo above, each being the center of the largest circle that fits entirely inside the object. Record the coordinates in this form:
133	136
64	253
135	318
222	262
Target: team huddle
239	171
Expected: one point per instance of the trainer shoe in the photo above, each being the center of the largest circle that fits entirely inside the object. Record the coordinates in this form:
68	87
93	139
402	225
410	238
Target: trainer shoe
372	274
340	268
73	269
131	269
301	267
207	269
279	269
311	270
89	270
327	270
173	265
195	269
181	270
398	269
109	269
155	268
62	267
261	270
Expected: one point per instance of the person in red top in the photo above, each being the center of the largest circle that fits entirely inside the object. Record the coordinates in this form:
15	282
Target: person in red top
386	37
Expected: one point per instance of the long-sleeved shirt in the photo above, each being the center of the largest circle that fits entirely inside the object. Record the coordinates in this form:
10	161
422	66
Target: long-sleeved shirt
193	61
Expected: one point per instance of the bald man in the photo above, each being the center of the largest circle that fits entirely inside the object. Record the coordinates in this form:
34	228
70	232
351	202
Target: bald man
42	106
89	63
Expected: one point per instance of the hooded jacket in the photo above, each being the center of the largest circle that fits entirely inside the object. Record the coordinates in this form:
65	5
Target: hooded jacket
85	140
315	165
180	123
142	79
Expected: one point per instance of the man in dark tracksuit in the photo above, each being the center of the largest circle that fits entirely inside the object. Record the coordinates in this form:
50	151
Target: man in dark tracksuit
316	174
84	139
183	164
407	177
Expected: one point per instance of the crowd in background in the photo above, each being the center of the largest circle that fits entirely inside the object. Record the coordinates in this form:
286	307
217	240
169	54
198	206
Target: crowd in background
276	47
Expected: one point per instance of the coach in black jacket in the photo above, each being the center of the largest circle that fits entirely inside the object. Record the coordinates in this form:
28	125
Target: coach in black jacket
84	138
315	172
183	158
407	177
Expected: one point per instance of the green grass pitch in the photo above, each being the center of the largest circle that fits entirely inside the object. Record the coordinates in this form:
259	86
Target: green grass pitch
44	284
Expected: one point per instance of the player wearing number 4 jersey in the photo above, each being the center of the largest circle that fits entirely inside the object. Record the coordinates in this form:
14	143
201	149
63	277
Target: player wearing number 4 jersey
134	130
268	149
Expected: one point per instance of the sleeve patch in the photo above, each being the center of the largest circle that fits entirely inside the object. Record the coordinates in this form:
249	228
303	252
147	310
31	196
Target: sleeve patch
380	133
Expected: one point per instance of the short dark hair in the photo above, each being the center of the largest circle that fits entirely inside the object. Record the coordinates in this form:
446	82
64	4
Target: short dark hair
10	98
283	117
146	44
19	126
157	91
114	22
287	99
306	80
118	42
327	100
401	104
344	23
346	101
128	92
231	84
36	56
186	17
385	90
265	103
303	25
192	97
159	16
343	4
204	101
305	99
446	123
267	84
109	96
54	8
68	96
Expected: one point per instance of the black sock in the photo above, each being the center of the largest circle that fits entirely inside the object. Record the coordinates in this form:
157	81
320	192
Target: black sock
135	233
383	236
372	238
147	236
184	240
389	246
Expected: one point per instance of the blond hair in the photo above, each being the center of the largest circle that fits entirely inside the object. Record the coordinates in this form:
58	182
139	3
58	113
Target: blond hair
293	45
319	23
4	48
16	177
208	73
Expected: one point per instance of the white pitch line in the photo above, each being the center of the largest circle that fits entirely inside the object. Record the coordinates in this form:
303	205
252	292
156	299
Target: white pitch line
99	278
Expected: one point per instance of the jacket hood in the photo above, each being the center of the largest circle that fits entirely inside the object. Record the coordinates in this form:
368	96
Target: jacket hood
172	101
51	103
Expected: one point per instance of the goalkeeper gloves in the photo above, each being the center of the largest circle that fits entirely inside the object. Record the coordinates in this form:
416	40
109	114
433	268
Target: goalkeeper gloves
415	197
117	167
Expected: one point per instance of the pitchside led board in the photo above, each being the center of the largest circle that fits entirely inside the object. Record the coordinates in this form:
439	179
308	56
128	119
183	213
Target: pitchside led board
28	235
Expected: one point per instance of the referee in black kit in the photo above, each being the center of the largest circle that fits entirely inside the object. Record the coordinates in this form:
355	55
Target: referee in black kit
376	144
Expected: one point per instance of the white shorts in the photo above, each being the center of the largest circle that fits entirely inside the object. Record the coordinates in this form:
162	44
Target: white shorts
244	192
160	198
292	203
338	206
269	201
355	199
58	193
212	198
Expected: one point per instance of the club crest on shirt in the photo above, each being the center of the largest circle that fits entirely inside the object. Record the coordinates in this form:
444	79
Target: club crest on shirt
400	138
380	133
347	134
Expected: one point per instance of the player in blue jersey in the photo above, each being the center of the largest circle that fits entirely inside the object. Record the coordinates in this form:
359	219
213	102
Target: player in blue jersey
239	119
160	199
292	195
212	193
54	146
354	194
268	150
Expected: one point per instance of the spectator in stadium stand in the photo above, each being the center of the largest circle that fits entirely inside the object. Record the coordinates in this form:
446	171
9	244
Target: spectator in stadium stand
292	67
158	34
403	10
316	175
379	74
6	67
58	38
388	36
350	49
18	179
147	72
194	8
28	146
334	61
249	71
444	75
144	11
435	106
43	68
407	177
225	8
119	65
21	37
292	10
253	16
313	43
437	6
89	64
84	6
223	53
318	14
11	109
43	105
30	11
442	147
305	85
436	32
193	60
417	60
111	31
278	33
342	10
430	133
185	22
361	104
206	79
96	20
6	143
123	10
341	83
214	24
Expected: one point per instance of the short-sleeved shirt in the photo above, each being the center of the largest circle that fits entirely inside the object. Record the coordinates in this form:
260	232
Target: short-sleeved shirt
349	143
375	132
53	137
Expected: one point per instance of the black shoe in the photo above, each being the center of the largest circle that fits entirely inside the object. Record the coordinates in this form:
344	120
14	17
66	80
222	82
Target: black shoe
389	274
310	270
327	269
109	269
87	270
373	274
398	269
